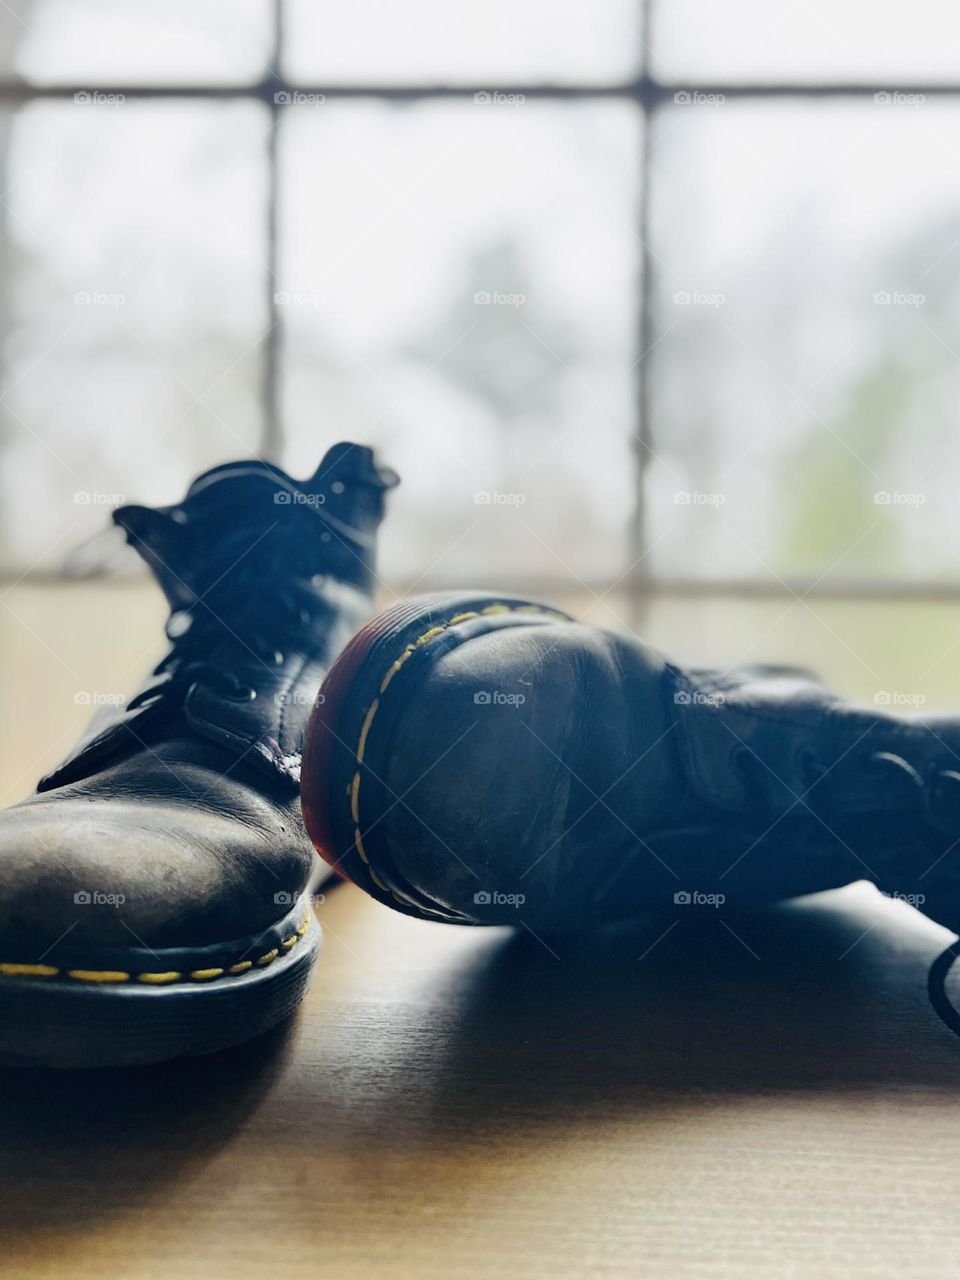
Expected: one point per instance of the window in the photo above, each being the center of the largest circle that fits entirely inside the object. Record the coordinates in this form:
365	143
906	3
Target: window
653	307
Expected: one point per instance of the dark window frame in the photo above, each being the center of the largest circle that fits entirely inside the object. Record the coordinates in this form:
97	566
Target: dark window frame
649	95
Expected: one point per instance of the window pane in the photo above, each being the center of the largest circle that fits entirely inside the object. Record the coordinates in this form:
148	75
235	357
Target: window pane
458	287
162	41
434	41
861	41
808	371
896	656
134	250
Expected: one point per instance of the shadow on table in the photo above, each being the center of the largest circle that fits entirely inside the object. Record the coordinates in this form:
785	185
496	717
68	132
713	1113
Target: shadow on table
78	1146
813	995
493	1052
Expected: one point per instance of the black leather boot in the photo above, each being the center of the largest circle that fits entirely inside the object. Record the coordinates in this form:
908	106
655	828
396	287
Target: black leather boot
486	760
153	892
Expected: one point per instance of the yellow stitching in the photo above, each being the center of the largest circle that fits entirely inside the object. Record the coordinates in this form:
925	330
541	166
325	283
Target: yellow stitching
376	879
99	975
366	729
354	788
154	979
428	635
396	667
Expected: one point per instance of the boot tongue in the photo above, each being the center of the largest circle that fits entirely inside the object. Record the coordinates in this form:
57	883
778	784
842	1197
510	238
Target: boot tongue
245	529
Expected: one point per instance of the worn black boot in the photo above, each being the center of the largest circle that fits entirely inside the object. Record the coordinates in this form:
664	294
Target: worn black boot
486	760
153	893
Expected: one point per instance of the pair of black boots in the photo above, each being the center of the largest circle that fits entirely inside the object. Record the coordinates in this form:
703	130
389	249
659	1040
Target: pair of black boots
469	758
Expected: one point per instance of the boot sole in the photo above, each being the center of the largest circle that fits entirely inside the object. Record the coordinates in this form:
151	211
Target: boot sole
77	1020
359	699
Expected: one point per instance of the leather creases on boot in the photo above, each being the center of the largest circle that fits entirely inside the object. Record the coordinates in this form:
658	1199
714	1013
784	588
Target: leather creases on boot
483	759
163	866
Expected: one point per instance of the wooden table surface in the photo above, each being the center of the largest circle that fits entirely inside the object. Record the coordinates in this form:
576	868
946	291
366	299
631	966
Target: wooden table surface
775	1101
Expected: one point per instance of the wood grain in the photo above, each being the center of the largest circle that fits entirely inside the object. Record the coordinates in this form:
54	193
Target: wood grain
778	1100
